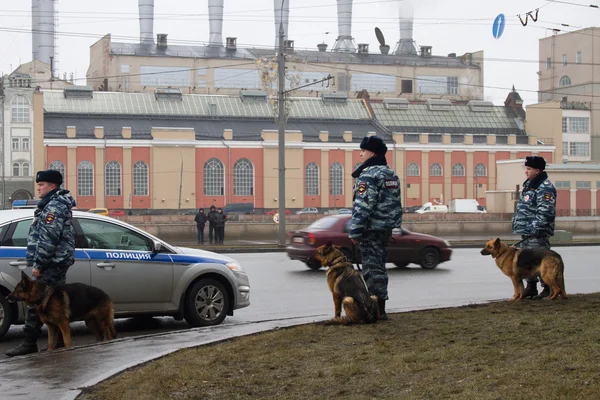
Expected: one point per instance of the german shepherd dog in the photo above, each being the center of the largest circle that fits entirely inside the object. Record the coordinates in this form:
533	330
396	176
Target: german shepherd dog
61	304
519	264
347	288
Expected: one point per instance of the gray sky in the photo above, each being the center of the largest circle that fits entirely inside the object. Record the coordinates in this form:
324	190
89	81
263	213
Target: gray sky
456	26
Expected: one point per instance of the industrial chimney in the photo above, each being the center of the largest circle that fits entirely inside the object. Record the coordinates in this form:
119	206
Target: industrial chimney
282	14
146	12
406	44
344	43
43	26
215	22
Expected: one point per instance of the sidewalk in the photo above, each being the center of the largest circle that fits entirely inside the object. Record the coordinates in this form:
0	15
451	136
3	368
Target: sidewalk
457	242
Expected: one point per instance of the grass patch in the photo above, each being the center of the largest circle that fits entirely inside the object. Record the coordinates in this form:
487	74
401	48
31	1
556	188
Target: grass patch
516	350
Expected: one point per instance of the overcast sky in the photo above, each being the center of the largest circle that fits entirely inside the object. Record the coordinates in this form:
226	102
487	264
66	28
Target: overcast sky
450	26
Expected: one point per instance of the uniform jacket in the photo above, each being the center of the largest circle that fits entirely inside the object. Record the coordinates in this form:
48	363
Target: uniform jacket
200	219
220	219
212	217
377	204
51	239
536	209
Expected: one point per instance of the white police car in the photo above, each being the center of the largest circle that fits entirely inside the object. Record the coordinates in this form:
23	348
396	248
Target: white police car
141	273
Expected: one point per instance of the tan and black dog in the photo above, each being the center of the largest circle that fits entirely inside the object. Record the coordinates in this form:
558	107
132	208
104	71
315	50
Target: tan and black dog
61	304
347	288
519	264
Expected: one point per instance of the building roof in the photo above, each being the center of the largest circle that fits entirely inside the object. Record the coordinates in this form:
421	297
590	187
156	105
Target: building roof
151	50
55	127
573	167
418	118
198	106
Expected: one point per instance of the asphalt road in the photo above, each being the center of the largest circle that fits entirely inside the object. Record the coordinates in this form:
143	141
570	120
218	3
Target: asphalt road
281	288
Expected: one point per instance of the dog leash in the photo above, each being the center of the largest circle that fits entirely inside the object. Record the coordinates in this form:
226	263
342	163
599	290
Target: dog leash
521	241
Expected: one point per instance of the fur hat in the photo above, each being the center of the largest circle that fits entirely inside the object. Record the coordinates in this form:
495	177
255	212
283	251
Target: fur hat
50	175
535	162
374	144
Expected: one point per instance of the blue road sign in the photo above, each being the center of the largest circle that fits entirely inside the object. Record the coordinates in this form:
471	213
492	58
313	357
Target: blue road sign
498	27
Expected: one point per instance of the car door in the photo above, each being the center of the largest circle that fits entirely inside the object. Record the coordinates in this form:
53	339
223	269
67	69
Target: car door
14	247
124	266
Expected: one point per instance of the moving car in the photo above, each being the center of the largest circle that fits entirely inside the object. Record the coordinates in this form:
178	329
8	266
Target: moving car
99	211
344	211
406	247
141	273
308	210
237	208
276	211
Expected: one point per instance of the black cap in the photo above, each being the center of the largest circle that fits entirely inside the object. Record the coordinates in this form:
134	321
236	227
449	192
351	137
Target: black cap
374	144
50	175
535	162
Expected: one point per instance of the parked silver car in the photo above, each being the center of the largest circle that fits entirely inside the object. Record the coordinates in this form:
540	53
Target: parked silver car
141	273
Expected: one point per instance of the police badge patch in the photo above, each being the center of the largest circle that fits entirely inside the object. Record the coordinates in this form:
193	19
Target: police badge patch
362	189
49	218
547	196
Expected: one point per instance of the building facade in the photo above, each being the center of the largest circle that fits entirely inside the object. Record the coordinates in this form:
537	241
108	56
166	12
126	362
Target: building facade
225	70
564	124
569	67
169	151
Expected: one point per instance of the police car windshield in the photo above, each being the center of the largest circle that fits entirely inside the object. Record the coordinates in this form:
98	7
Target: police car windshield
324	223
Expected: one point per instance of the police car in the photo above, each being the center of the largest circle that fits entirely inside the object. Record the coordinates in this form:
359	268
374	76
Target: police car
141	273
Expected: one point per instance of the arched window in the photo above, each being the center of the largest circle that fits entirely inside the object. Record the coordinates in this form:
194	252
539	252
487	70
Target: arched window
480	170
140	179
16	169
19	106
20	168
413	169
311	179
435	170
25	169
214	183
458	170
85	179
565	81
336	179
112	181
60	167
243	178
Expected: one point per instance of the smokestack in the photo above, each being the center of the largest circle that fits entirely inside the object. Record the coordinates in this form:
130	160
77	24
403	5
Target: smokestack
146	11
282	14
215	22
406	44
44	30
344	42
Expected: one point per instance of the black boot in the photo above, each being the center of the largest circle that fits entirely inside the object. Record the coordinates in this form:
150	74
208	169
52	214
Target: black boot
382	314
545	293
531	290
28	346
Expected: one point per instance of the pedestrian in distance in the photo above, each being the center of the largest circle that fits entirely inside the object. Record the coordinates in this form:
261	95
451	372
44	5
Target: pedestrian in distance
376	211
212	224
50	248
535	215
221	218
200	219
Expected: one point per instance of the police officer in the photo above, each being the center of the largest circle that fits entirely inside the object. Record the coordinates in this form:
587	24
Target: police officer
376	211
200	219
50	247
535	215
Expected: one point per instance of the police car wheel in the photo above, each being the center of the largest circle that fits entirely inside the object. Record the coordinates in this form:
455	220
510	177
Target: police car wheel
430	258
5	315
206	303
313	264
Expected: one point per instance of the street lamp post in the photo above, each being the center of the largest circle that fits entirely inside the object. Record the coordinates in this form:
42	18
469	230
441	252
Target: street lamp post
180	177
281	116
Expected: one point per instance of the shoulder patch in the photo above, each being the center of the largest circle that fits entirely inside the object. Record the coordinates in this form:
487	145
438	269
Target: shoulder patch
547	196
50	217
391	183
362	188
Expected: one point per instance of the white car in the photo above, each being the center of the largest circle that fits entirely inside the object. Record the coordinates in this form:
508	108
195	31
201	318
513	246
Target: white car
142	274
308	210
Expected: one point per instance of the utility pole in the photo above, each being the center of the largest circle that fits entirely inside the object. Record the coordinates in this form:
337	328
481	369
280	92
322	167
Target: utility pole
3	140
281	116
180	178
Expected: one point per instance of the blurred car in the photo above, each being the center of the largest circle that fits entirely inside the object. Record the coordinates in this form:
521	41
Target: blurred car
273	212
142	274
116	213
405	247
99	211
344	211
308	210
